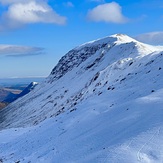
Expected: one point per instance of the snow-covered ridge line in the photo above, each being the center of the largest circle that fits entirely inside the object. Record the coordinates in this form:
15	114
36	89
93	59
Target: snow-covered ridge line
81	53
109	39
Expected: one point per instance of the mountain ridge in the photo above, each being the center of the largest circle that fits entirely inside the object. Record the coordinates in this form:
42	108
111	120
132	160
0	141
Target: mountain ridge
81	53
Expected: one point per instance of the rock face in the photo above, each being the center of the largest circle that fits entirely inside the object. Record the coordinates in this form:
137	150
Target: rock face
2	105
74	58
101	103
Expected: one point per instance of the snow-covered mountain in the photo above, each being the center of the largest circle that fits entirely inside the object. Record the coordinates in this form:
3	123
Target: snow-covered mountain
103	102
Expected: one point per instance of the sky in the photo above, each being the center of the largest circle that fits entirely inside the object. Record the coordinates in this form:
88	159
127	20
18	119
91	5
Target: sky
35	34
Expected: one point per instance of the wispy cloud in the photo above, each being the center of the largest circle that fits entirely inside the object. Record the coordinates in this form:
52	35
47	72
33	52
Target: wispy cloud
22	12
108	12
68	4
7	2
155	38
16	50
100	1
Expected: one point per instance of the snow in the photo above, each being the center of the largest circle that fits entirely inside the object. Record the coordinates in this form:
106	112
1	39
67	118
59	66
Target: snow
34	83
106	107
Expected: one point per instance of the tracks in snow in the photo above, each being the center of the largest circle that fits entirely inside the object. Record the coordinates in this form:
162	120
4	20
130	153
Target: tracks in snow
139	153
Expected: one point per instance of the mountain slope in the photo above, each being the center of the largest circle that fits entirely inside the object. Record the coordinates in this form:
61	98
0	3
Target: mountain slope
101	103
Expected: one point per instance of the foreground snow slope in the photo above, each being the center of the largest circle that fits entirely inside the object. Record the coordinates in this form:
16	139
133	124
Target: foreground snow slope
103	102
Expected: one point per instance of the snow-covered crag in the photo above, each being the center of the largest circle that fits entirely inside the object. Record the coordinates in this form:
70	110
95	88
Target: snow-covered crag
103	102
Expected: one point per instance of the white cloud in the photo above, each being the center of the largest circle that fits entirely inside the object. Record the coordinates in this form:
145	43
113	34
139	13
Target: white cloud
108	12
155	38
21	12
16	50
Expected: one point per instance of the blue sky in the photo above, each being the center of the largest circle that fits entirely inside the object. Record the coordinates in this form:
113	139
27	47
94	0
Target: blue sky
35	34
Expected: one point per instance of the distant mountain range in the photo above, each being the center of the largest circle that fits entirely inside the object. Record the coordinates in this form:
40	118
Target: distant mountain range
19	83
102	103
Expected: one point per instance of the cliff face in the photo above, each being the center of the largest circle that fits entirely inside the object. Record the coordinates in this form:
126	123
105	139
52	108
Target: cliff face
101	103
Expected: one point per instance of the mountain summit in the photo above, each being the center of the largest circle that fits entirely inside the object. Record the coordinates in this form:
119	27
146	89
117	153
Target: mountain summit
121	44
102	102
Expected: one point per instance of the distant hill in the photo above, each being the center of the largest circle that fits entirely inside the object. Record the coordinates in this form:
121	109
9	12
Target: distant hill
13	88
12	97
4	93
